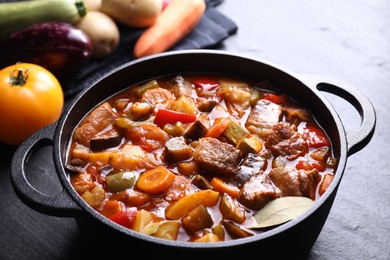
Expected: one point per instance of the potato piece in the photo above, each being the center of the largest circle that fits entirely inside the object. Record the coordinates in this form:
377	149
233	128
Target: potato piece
250	144
187	168
219	231
235	132
143	219
176	129
95	197
102	31
210	237
135	13
167	229
184	104
100	158
180	208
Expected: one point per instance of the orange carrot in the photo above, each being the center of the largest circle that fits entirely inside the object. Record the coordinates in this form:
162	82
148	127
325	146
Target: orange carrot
222	187
218	127
326	181
177	20
111	208
155	181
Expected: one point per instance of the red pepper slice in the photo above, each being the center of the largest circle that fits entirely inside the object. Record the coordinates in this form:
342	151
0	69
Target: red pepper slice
303	165
126	217
316	136
165	116
277	99
206	83
306	165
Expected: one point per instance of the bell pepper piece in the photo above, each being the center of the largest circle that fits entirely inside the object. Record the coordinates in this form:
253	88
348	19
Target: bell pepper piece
277	99
125	217
206	83
316	137
165	116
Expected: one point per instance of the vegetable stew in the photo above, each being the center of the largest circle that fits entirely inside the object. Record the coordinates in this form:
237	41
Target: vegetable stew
199	157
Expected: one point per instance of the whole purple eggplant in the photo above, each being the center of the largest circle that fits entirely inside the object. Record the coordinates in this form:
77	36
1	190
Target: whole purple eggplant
59	47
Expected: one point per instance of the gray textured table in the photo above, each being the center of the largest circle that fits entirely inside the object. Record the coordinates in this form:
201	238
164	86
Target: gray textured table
348	40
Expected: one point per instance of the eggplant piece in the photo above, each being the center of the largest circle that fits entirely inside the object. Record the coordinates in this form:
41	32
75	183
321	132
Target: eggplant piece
104	141
230	210
176	149
198	128
59	47
197	219
201	182
234	230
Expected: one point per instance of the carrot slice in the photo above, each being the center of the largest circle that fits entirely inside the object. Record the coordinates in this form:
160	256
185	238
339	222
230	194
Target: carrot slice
155	181
177	20
222	187
218	127
326	181
111	208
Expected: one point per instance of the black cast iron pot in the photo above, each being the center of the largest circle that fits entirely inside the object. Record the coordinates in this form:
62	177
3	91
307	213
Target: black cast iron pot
293	239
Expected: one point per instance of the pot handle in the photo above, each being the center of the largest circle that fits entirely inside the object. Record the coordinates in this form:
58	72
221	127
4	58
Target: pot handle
356	140
60	205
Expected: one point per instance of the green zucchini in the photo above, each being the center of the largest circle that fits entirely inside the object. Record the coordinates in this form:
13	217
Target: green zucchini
18	15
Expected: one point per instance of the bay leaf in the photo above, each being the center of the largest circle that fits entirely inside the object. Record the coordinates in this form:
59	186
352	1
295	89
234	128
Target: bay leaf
281	210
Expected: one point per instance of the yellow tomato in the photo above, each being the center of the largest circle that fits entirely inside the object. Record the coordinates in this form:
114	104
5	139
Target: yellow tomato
30	98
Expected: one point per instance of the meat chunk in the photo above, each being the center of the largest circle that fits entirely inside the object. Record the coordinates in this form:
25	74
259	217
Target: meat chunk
95	122
284	140
294	182
216	157
147	135
251	165
264	115
295	114
82	182
157	96
131	198
178	86
257	191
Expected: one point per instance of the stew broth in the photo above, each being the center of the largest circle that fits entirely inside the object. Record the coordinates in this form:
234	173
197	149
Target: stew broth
195	157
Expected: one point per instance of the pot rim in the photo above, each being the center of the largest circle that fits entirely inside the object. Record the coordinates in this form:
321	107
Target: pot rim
64	178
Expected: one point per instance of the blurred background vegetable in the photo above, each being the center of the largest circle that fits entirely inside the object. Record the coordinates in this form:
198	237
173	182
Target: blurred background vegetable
93	5
17	15
31	98
59	47
102	31
177	20
134	13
